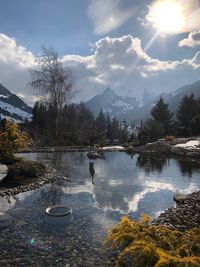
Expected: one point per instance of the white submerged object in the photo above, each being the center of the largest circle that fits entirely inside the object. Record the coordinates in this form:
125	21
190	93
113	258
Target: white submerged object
58	215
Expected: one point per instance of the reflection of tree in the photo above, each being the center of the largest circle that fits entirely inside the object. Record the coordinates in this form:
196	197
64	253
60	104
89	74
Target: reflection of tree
91	170
187	167
151	164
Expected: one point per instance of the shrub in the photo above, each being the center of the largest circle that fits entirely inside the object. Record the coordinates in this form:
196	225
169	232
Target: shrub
11	138
145	245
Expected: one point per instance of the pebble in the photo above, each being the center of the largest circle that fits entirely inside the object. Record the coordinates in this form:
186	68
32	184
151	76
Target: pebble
185	215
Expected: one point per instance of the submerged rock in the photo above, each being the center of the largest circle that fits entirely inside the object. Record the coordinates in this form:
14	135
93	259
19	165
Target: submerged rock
5	220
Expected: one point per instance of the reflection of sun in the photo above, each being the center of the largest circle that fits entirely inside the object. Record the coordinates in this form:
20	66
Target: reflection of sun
167	16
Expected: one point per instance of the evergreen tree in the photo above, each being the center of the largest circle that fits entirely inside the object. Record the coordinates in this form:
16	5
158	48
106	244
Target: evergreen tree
162	114
187	109
101	121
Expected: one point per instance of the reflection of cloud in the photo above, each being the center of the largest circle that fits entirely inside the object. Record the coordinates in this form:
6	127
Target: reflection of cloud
192	188
157	213
85	188
6	204
150	187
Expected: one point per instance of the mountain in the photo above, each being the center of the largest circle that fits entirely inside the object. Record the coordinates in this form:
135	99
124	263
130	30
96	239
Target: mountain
128	107
11	106
172	99
112	103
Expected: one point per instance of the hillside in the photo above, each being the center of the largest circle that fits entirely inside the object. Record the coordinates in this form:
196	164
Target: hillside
11	106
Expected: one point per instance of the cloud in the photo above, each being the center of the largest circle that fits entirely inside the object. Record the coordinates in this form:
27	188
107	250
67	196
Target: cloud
192	40
15	61
107	16
119	63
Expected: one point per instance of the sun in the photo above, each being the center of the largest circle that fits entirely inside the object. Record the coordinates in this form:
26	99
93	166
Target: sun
167	16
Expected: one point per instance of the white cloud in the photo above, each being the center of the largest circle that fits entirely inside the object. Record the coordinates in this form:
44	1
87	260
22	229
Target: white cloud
118	63
15	61
192	40
122	64
108	15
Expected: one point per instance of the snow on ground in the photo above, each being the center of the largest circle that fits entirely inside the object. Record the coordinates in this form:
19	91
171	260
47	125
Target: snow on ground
4	96
194	144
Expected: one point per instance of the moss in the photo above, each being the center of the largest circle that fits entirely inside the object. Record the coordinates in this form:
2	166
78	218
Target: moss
143	244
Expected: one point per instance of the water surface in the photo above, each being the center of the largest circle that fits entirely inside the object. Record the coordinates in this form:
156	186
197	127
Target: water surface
99	193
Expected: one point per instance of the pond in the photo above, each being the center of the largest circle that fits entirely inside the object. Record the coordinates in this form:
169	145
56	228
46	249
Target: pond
99	193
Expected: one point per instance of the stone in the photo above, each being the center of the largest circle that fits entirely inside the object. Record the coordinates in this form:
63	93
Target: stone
5	219
3	171
180	198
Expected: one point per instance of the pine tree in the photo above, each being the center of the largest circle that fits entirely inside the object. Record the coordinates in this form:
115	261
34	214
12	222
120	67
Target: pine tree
187	109
162	114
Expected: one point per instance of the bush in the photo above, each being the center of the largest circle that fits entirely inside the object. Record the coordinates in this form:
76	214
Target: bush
145	245
26	169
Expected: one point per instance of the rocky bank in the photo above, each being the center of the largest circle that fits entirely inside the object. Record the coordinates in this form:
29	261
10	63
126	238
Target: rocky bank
185	215
186	147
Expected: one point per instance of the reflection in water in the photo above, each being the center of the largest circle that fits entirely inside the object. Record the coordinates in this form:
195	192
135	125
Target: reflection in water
187	167
151	164
120	184
91	170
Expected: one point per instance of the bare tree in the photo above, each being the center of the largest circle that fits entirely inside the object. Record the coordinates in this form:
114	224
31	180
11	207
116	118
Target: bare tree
52	79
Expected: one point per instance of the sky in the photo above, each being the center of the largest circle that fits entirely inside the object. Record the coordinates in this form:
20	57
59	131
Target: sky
127	45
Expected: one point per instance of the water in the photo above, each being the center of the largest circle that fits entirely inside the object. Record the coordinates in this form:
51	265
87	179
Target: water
99	193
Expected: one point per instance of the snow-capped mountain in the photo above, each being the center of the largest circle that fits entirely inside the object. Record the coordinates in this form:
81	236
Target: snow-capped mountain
11	106
111	103
172	99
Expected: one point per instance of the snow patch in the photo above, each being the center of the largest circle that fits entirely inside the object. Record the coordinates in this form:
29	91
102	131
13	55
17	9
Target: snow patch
194	144
112	148
14	110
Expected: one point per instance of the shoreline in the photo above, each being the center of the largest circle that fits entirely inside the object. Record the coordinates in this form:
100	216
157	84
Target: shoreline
49	176
184	216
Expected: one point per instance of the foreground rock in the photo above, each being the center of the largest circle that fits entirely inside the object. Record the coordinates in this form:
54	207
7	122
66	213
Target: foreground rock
184	216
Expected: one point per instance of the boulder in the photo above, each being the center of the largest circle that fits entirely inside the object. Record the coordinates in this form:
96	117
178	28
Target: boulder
3	171
157	147
189	149
180	198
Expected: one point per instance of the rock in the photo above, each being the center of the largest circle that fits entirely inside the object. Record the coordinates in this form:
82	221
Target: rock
178	151
3	171
155	147
180	198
